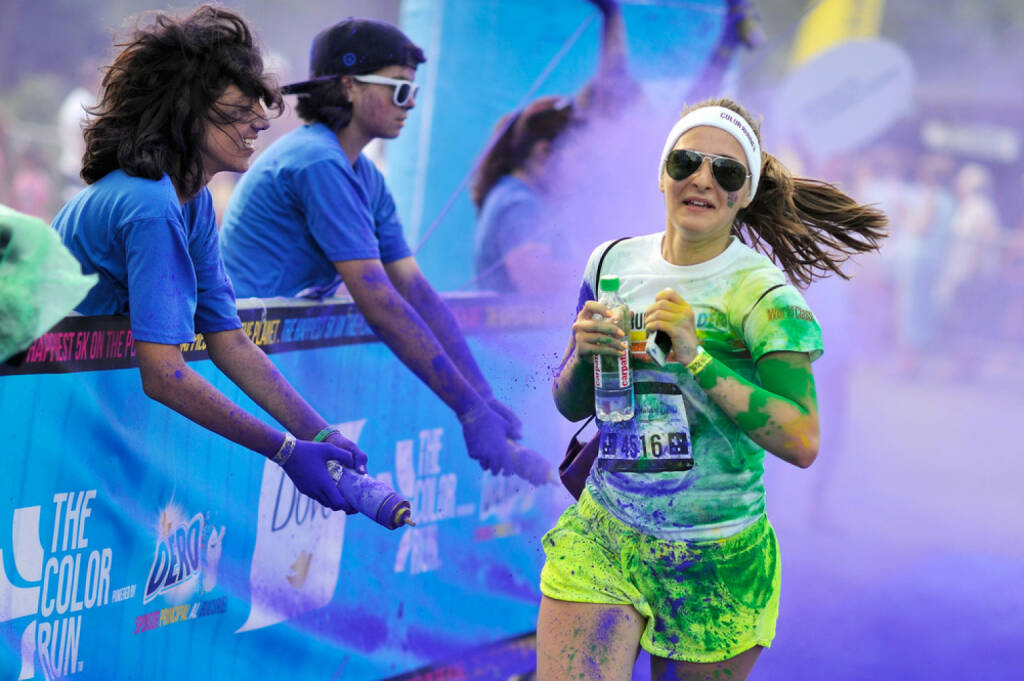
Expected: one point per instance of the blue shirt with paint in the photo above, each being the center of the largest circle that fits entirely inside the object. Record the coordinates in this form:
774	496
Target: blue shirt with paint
158	260
509	217
301	207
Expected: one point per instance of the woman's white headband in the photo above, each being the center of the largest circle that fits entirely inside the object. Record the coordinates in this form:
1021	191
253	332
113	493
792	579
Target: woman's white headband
723	119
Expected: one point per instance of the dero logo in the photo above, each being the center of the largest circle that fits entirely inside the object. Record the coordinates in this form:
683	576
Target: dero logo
184	565
71	578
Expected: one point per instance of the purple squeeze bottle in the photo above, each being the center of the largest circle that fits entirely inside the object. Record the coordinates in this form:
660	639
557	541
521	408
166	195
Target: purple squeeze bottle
372	498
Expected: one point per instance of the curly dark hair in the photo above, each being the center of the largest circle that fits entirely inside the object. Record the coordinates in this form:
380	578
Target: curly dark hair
808	227
160	92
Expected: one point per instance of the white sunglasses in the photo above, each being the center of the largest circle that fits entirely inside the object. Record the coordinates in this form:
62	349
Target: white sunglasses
404	90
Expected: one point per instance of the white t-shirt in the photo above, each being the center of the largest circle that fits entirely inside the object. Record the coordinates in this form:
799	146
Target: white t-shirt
744	308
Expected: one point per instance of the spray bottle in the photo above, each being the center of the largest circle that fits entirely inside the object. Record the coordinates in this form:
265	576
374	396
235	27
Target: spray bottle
371	498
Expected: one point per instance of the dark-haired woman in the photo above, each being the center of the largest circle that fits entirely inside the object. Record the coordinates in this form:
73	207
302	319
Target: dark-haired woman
182	101
669	548
513	251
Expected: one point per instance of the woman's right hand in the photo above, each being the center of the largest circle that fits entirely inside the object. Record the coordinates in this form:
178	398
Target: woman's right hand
595	332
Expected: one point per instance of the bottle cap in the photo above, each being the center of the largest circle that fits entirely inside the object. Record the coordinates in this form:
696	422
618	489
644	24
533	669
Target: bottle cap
609	282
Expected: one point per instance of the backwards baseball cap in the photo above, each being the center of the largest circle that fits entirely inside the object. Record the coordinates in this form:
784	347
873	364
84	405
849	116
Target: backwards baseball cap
356	46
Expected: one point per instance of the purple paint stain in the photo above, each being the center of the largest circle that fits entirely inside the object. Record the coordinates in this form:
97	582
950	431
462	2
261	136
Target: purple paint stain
365	632
428	644
607	624
178	374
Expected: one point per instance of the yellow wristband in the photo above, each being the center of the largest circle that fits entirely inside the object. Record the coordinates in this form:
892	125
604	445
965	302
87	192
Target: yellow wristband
700	362
284	452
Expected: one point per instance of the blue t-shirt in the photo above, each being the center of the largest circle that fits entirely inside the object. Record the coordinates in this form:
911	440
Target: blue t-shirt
301	207
158	261
510	216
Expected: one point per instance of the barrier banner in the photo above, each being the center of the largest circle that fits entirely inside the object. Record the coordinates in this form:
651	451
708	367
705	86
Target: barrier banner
136	544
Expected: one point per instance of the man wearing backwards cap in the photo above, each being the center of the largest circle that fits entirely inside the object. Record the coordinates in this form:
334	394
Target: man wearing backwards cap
313	209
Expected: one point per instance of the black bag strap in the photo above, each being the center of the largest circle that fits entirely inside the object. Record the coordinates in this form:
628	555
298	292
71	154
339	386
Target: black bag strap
576	435
597	278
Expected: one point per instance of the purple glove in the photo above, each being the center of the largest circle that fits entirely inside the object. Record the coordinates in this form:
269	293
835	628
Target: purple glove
358	460
484	433
307	468
513	426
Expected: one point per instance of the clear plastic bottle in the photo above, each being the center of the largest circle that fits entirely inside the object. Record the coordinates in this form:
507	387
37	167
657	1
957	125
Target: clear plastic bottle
613	378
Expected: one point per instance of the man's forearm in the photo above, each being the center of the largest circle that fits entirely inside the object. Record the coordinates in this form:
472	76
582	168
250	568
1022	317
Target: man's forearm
406	334
170	381
432	309
251	369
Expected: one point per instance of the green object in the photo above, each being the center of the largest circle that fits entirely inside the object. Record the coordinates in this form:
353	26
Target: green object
326	433
608	282
40	281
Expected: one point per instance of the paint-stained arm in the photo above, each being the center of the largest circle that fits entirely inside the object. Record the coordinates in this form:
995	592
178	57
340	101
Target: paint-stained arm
781	414
398	324
408	280
401	327
573	387
252	371
167	379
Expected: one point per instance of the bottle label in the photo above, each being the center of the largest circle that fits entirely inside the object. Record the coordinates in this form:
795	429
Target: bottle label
624	371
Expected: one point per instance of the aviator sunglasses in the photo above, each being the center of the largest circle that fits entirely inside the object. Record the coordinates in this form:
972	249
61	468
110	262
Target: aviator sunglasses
404	90
729	173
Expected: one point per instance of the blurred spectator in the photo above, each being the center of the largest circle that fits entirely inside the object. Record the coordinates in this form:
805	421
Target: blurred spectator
71	117
31	186
968	279
516	247
924	243
880	178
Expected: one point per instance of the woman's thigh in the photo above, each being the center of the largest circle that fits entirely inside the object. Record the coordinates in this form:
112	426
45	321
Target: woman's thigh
734	669
587	641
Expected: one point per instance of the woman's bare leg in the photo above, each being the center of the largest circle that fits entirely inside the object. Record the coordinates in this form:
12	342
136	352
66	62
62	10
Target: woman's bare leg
587	641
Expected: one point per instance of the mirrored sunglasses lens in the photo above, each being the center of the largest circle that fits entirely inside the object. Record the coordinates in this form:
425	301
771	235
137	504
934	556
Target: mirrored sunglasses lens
682	163
730	174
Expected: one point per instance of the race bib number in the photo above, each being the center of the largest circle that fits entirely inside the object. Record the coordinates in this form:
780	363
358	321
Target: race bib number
658	437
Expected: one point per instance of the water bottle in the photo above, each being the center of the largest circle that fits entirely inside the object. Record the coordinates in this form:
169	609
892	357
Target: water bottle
613	379
371	498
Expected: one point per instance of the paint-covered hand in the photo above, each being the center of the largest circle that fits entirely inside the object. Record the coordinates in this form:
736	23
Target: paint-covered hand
486	441
513	426
673	315
596	333
358	456
307	468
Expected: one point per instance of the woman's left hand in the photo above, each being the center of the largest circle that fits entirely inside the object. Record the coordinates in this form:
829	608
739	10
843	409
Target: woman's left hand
673	315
